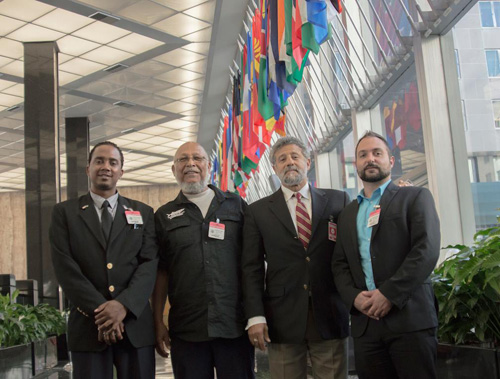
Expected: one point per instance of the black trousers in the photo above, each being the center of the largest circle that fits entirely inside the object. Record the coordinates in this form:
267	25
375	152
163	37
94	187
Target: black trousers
130	362
382	354
231	358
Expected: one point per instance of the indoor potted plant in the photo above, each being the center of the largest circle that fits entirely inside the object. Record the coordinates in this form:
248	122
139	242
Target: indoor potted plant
467	286
25	333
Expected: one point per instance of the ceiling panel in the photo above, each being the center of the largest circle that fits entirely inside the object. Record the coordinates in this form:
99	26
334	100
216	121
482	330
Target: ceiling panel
159	77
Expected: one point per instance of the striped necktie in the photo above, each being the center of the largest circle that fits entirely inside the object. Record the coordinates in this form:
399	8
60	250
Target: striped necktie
303	221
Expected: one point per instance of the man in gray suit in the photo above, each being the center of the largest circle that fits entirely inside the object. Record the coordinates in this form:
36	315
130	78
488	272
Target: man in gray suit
388	246
104	253
293	304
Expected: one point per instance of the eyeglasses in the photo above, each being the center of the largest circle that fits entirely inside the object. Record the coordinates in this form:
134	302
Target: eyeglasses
184	160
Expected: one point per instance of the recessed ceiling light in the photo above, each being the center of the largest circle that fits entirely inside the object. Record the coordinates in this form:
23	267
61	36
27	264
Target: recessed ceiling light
116	67
125	104
104	17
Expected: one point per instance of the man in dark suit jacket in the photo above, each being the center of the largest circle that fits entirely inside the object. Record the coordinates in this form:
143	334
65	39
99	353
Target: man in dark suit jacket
106	265
388	246
293	303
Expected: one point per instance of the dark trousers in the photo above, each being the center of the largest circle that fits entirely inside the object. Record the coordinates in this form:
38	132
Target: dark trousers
382	354
130	362
231	358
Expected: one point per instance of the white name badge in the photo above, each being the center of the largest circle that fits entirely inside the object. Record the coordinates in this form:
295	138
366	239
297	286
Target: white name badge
332	231
134	217
216	230
373	219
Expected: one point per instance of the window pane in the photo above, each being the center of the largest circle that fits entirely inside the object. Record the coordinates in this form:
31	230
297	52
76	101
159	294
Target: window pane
493	63
486	15
496	7
402	127
496	113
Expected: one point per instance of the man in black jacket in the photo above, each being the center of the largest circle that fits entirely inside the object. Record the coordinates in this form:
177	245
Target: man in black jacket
200	236
104	254
388	246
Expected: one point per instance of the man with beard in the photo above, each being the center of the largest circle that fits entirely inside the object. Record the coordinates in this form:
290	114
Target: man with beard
388	246
200	236
293	304
105	257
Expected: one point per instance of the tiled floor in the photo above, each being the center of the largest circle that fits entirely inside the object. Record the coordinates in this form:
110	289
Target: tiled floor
164	369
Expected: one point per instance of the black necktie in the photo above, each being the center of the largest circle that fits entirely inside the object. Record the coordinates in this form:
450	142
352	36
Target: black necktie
106	220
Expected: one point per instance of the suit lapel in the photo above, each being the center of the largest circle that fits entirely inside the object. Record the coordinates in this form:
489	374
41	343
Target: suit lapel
278	206
89	215
385	202
318	202
119	222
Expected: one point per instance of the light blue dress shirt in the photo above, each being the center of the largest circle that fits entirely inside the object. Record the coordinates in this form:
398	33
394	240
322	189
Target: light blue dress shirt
366	206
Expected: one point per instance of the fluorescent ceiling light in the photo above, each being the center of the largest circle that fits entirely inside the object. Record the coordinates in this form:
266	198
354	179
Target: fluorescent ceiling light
67	77
15	68
146	12
203	12
75	46
25	10
179	76
63	21
180	5
135	43
178	107
34	33
204	35
180	25
107	55
8	25
101	32
81	66
11	49
15	90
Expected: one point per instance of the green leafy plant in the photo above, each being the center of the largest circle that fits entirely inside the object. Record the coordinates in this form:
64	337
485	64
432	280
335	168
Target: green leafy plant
467	286
21	324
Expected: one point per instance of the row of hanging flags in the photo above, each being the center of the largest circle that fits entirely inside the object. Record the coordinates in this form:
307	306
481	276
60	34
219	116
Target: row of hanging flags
273	57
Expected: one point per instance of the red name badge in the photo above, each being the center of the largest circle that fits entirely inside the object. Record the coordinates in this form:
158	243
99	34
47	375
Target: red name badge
216	230
373	219
332	231
133	217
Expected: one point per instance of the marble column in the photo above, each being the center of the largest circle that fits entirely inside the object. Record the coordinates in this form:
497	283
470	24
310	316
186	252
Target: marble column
41	155
77	150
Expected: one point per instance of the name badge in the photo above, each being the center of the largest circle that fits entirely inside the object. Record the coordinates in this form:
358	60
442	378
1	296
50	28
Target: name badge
134	217
332	231
216	230
373	219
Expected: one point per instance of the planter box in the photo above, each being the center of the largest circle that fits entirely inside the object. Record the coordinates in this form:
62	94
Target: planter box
44	354
466	362
16	362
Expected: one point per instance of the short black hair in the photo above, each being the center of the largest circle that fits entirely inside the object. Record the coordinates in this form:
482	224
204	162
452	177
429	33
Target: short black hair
369	133
109	143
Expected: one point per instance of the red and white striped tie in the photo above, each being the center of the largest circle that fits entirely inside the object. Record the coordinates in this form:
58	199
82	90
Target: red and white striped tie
303	221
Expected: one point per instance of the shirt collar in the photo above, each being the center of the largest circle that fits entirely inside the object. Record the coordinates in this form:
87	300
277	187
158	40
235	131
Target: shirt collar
376	194
98	200
304	191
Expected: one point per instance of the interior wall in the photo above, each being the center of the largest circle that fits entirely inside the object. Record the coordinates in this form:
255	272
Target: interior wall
13	225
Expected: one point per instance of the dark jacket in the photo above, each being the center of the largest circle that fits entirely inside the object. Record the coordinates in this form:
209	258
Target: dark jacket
282	293
204	283
91	274
404	249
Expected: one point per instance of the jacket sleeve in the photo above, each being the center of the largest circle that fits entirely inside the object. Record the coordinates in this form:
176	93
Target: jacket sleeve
425	239
79	290
136	295
341	269
253	269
